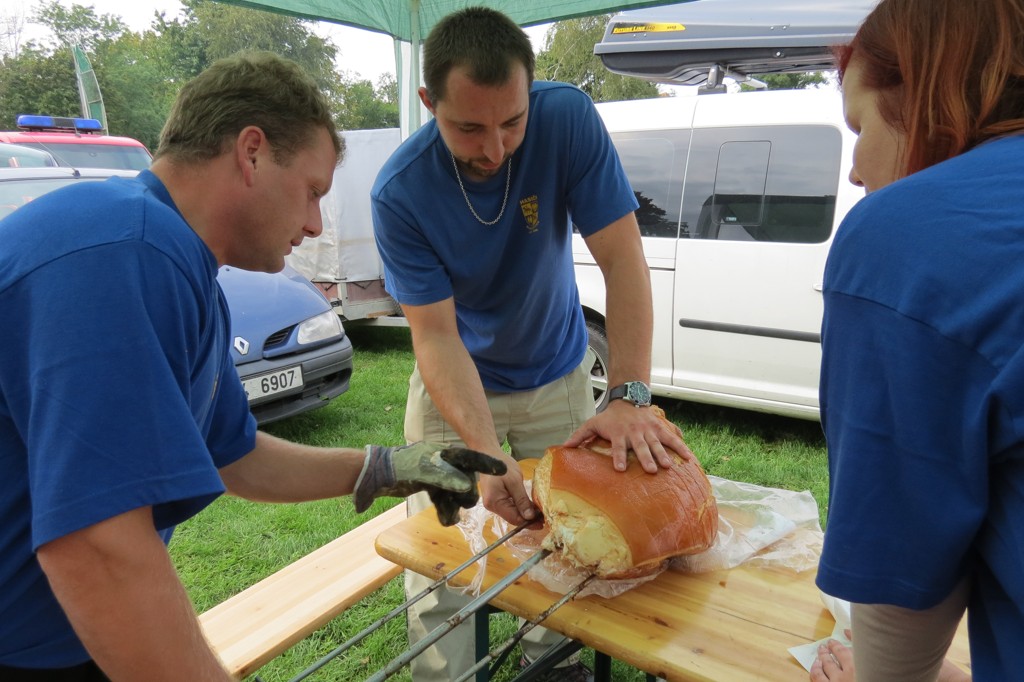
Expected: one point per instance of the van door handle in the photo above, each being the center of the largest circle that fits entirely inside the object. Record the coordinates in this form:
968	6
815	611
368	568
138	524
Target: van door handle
819	286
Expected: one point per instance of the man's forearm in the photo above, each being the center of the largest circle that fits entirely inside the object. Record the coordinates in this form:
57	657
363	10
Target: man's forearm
629	325
280	471
453	383
118	587
449	374
619	253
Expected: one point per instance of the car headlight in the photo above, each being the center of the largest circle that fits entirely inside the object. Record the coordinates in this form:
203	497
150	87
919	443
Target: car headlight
324	326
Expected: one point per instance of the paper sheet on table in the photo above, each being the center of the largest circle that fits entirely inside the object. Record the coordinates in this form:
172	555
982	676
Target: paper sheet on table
840	610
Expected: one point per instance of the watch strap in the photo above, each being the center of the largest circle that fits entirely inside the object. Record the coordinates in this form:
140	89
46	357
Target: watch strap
617	392
622	391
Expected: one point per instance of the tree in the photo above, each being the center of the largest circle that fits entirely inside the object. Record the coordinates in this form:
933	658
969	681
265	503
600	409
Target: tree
136	90
365	106
41	78
568	56
79	25
789	81
210	30
12	25
140	73
37	82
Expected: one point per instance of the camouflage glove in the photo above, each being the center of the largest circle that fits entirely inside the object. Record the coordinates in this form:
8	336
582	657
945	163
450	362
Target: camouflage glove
448	475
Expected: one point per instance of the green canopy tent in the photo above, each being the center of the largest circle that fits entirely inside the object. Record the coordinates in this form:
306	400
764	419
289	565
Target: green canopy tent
409	21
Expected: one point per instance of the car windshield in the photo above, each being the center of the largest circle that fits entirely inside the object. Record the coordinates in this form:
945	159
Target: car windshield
19	156
17	193
96	155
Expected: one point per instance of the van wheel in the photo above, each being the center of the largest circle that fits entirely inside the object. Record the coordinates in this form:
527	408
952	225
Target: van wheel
597	339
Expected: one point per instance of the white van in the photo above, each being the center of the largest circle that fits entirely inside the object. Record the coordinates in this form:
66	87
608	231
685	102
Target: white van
740	195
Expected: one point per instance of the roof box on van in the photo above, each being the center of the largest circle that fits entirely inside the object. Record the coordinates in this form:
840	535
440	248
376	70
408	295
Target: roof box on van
682	44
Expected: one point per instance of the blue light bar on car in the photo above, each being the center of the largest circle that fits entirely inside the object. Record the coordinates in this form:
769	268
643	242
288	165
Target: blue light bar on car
36	122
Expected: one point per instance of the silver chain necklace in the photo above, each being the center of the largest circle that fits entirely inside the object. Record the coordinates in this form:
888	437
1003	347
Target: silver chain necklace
504	202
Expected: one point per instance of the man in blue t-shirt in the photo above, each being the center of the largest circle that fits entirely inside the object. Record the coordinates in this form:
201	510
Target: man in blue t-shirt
121	413
474	218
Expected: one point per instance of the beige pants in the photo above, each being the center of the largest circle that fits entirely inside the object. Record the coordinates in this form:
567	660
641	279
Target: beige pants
528	422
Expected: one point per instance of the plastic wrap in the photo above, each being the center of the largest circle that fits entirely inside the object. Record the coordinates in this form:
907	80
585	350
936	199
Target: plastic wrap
756	524
762	526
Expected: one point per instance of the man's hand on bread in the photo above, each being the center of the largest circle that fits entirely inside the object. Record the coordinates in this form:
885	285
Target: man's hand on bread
506	495
644	430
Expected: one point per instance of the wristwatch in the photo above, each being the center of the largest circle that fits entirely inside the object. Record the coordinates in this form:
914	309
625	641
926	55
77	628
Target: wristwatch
636	392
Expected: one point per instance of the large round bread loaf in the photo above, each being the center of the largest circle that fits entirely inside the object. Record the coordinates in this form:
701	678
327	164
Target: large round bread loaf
622	524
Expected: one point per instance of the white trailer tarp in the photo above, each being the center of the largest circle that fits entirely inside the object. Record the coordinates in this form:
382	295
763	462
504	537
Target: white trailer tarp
346	251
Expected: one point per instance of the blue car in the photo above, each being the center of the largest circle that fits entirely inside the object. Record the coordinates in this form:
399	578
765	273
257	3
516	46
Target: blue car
288	344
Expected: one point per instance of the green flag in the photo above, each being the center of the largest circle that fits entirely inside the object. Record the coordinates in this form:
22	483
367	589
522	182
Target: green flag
88	87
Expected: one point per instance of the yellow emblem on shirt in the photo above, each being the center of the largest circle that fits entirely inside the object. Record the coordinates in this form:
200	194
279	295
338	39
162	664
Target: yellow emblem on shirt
530	207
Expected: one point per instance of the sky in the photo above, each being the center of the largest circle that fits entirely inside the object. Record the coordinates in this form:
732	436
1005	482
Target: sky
366	53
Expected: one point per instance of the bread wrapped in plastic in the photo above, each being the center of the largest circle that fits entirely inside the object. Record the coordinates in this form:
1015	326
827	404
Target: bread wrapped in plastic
622	524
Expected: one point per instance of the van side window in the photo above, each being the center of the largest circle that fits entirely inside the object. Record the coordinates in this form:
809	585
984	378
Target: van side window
654	163
736	210
767	184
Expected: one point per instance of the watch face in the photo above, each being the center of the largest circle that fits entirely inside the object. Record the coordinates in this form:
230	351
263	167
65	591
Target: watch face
638	393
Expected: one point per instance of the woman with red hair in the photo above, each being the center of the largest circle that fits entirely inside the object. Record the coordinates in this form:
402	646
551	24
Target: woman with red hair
922	382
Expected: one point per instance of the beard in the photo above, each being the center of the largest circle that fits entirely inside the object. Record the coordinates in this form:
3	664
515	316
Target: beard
480	168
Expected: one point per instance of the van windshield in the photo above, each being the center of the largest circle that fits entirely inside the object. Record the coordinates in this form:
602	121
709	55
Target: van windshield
85	155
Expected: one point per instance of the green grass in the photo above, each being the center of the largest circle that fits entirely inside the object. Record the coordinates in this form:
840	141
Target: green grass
234	543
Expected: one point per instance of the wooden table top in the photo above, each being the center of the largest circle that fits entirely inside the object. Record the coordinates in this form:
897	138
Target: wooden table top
724	626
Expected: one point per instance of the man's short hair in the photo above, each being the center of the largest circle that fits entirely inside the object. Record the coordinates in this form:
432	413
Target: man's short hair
258	89
484	41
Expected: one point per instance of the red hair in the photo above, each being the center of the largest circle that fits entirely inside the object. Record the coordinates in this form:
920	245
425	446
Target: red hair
950	72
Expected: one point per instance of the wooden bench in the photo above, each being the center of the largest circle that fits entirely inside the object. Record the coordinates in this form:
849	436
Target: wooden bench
261	622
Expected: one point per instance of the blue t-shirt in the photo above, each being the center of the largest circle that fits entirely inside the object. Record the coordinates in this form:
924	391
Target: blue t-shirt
117	390
922	397
516	302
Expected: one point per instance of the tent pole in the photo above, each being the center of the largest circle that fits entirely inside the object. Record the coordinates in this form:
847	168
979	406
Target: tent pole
414	66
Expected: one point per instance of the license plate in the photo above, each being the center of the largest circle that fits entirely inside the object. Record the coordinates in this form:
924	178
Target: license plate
273	382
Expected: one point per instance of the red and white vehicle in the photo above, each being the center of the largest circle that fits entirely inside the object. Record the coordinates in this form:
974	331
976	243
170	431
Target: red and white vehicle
78	143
